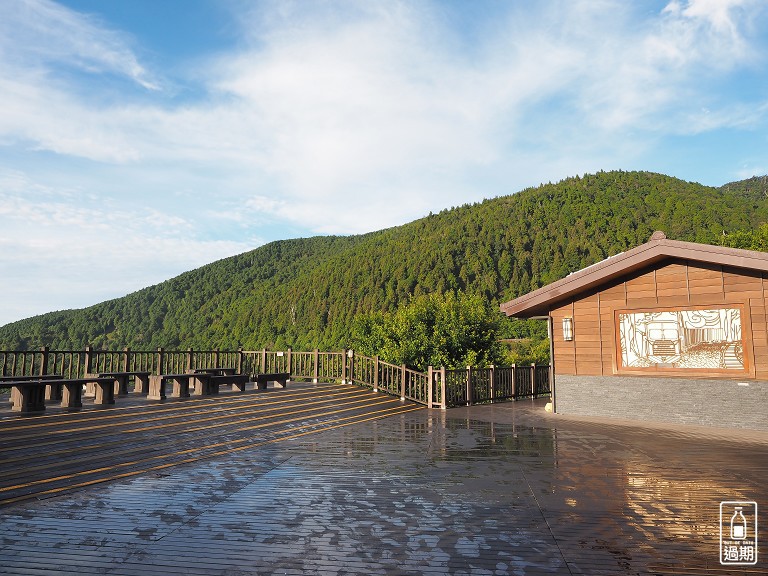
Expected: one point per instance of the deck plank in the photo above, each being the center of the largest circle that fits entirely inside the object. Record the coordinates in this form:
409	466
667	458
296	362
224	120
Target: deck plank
52	453
503	489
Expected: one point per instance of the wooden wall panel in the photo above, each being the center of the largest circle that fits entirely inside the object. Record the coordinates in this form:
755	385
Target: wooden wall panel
614	295
672	284
565	352
606	329
702	270
642	287
758	306
647	276
704	298
675	283
586	330
760	352
642	303
586	335
674	301
747	285
565	364
590	368
705	284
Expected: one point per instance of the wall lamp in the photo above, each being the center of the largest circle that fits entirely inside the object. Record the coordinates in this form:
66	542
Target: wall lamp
568	329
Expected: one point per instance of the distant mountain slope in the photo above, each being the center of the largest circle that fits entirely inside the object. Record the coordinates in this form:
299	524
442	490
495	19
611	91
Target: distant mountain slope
305	292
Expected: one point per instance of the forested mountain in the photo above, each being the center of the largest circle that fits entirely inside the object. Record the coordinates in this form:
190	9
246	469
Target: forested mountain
304	293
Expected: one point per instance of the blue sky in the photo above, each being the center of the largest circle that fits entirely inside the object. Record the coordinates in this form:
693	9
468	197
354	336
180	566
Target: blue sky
140	139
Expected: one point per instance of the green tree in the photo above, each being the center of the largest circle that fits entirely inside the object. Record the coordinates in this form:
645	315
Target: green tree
451	330
748	239
527	351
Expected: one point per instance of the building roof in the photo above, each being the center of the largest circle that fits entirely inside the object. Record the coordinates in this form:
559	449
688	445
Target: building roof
659	247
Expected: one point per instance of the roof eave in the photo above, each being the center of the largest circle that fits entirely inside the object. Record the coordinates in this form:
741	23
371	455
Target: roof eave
541	300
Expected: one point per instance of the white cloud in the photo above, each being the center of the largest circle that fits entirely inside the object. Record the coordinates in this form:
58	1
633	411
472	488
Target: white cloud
38	33
60	249
340	117
341	110
654	74
748	171
325	105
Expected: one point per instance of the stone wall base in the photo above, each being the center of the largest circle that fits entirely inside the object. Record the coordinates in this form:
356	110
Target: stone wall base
721	403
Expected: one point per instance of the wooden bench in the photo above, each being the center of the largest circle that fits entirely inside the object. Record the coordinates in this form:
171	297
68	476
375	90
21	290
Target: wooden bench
141	382
216	371
181	384
29	395
238	382
280	377
48	389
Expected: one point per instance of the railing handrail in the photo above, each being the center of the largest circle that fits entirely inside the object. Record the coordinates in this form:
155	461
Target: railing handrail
436	387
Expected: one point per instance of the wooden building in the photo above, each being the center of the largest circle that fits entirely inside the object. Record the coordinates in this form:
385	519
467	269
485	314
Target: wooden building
671	331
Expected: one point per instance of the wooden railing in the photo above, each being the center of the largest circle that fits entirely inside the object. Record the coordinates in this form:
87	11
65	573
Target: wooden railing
447	388
494	384
437	388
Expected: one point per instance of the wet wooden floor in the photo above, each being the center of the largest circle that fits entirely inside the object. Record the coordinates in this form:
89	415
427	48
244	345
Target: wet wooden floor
49	454
499	489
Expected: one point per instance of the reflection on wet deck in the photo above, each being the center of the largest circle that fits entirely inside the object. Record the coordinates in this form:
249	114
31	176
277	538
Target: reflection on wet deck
485	490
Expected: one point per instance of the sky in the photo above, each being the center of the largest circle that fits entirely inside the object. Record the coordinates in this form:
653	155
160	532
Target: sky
140	139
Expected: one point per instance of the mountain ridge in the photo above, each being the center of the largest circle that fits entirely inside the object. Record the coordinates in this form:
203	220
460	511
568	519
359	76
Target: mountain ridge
305	292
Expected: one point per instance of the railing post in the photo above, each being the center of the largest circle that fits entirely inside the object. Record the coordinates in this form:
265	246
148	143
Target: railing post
190	363
550	377
239	366
430	376
264	360
316	360
492	383
44	360
403	377
514	382
533	380
87	359
376	373
160	360
344	366
290	365
469	385
51	392
351	366
126	359
443	396
216	359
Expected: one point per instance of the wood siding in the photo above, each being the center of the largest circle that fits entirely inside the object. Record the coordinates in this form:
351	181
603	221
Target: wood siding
671	283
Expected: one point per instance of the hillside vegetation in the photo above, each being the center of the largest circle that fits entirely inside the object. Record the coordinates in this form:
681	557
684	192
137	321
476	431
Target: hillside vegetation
305	293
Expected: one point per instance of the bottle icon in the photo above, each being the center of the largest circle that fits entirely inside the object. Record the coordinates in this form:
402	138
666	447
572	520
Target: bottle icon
738	525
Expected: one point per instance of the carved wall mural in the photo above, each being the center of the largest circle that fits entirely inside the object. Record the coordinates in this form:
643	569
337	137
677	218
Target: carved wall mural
686	338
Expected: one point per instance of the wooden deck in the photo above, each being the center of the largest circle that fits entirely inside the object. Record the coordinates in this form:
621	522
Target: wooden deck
46	455
339	480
